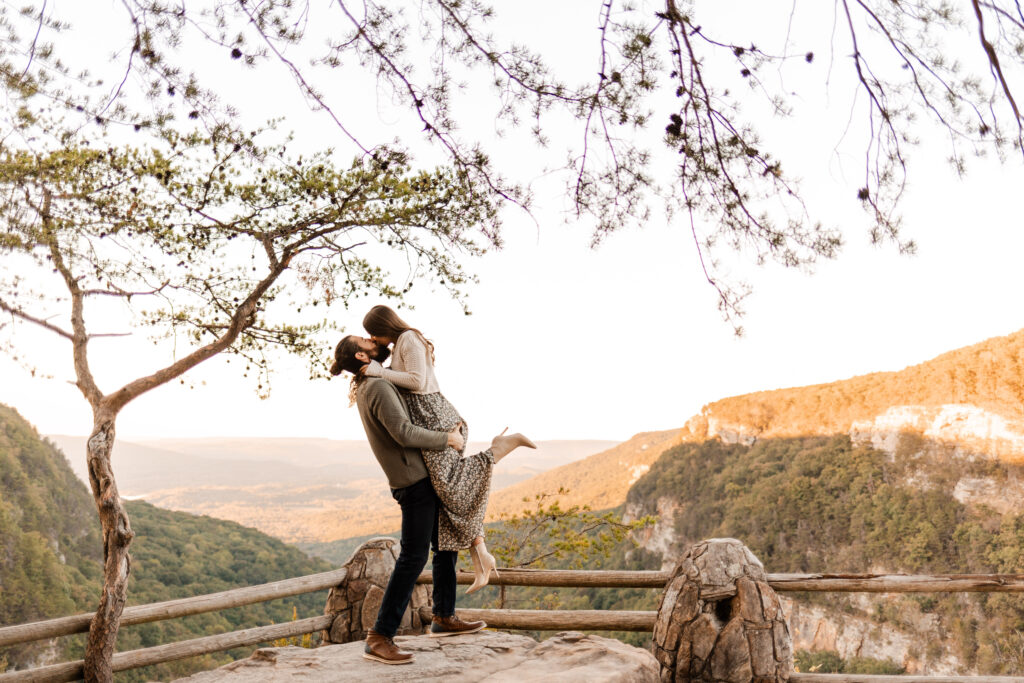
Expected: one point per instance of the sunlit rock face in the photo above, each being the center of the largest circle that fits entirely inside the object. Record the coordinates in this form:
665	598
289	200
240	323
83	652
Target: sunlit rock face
967	429
731	433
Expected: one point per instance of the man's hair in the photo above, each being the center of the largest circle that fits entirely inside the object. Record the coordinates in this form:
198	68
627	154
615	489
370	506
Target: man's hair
345	356
345	359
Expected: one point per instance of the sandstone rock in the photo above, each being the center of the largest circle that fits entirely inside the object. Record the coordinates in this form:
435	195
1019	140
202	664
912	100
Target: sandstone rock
341	627
355	602
371	605
731	433
968	429
719	620
495	657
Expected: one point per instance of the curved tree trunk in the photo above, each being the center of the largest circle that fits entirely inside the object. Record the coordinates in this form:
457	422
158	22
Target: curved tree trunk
117	536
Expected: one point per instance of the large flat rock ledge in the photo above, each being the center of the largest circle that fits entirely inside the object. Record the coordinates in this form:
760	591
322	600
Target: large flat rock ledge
492	656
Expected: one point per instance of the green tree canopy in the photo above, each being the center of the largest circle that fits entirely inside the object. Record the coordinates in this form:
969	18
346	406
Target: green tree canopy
672	106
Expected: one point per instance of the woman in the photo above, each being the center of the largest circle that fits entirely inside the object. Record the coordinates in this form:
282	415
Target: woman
462	484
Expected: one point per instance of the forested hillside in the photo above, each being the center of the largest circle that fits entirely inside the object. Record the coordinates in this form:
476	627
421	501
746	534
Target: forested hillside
600	481
822	504
50	564
50	549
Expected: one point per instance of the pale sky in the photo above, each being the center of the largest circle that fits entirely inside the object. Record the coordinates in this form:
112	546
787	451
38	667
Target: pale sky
566	342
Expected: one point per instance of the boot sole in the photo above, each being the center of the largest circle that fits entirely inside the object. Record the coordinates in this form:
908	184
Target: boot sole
443	634
375	658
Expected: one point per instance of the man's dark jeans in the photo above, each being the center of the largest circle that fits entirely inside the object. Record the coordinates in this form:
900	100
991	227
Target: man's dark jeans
420	507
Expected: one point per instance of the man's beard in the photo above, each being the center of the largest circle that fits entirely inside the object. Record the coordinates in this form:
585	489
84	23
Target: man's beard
382	354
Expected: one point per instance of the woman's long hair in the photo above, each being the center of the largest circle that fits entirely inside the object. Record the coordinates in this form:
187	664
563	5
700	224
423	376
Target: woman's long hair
382	321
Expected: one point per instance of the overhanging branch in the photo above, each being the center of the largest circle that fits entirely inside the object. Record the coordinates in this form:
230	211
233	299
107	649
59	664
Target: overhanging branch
18	313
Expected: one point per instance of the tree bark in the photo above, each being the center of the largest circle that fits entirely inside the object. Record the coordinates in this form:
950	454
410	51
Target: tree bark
117	537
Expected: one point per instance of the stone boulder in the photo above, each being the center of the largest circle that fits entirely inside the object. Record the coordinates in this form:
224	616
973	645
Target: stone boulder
354	603
719	620
492	656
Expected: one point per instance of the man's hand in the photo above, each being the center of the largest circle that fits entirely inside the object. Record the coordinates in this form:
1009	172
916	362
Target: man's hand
455	439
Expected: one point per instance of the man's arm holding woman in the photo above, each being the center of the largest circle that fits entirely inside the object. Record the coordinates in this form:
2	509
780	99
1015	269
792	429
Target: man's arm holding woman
386	405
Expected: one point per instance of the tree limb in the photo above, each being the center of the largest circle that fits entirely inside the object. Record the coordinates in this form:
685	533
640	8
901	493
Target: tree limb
997	69
4	306
242	318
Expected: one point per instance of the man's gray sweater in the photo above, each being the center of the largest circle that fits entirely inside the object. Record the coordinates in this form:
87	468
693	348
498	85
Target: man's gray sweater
394	439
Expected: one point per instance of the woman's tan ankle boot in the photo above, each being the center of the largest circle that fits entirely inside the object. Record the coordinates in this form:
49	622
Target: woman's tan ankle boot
483	564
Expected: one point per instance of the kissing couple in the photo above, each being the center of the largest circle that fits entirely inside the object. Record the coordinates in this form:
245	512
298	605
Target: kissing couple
419	439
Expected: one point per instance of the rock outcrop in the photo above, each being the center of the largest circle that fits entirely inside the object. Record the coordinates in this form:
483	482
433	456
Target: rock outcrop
661	537
491	656
355	602
968	430
817	628
720	621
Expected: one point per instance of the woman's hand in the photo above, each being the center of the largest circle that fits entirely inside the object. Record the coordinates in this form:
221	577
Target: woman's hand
455	439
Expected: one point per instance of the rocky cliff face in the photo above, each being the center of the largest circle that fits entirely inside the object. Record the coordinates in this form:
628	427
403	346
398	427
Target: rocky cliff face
890	499
960	435
963	430
816	628
660	538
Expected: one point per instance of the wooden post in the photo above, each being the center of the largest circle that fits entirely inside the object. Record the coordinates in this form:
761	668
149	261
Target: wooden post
719	620
354	602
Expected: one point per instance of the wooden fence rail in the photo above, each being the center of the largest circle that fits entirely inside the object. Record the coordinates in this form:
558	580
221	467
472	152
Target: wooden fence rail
133	659
831	583
597	620
558	620
172	609
901	678
566	578
862	583
899	583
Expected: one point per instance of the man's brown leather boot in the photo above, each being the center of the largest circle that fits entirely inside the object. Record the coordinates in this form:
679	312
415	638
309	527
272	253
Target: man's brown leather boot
383	649
453	626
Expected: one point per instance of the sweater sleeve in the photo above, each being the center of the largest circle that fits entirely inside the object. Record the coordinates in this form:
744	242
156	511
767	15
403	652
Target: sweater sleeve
386	406
414	358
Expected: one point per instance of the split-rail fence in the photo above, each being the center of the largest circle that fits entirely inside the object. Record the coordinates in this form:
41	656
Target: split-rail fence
540	620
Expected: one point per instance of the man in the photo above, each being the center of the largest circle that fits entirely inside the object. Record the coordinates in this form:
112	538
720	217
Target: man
397	444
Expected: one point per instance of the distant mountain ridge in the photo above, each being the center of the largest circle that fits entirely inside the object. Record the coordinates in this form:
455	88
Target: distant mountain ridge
988	375
296	489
